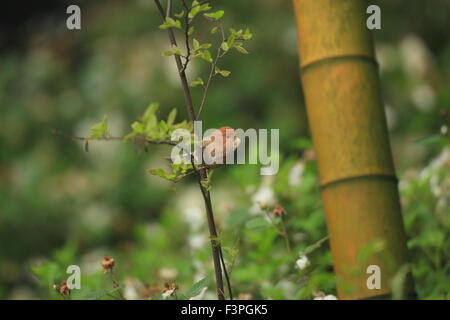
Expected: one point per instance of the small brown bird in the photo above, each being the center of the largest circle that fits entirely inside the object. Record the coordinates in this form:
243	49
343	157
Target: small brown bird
214	148
217	146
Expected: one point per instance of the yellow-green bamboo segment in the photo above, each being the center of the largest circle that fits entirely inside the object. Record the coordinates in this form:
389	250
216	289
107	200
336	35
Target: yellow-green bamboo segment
340	81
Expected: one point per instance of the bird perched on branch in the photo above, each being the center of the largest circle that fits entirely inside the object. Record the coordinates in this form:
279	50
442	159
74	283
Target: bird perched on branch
217	146
214	148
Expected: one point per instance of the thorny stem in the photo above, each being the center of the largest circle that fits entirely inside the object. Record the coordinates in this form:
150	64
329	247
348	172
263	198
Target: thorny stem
202	174
282	232
285	235
215	245
108	138
115	284
140	138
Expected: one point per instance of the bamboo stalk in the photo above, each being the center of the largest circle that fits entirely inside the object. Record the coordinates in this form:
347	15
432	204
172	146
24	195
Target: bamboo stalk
339	75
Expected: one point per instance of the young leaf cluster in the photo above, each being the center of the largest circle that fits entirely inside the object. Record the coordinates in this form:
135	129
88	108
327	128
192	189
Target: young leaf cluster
154	129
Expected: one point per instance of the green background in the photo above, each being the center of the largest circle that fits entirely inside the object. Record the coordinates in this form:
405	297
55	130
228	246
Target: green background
60	205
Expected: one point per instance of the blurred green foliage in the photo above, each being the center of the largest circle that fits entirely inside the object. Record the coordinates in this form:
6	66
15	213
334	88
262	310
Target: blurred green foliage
60	205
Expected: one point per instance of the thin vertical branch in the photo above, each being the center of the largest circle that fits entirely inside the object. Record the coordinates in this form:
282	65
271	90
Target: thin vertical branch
202	174
186	35
212	71
182	73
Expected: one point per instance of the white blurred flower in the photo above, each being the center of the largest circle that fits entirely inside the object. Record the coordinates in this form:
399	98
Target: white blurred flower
444	130
435	185
196	241
190	205
97	216
21	293
194	217
416	57
302	263
167	273
130	292
287	287
295	174
423	97
263	197
326	297
168	293
89	261
249	189
244	296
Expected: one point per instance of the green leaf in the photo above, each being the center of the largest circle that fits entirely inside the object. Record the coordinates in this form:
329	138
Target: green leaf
196	82
147	125
257	223
149	118
180	15
205	7
138	127
247	35
191	30
195	44
214	30
205	46
196	288
436	139
215	15
175	50
170	23
171	117
183	125
206	55
223	73
240	48
163	127
314	246
195	9
48	273
150	111
224	46
230	40
161	173
99	130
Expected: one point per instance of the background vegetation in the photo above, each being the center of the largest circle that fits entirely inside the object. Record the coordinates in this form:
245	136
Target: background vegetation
60	205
